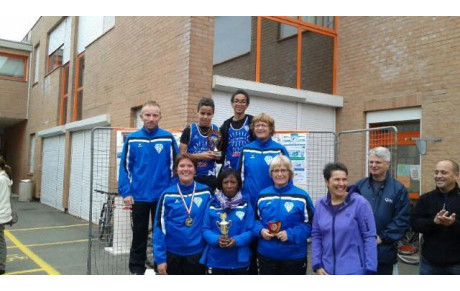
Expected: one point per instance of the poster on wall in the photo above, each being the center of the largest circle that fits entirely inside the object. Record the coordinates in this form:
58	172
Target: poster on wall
296	145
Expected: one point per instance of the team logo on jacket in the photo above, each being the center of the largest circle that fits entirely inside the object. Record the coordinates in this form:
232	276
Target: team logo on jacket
159	147
288	205
240	215
197	201
268	160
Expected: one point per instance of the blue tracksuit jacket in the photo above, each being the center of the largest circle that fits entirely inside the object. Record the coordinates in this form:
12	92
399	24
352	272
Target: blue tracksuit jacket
294	208
242	222
146	164
254	166
171	234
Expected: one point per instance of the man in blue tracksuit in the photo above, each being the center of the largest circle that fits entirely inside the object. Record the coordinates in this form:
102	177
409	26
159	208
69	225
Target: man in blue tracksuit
390	203
145	172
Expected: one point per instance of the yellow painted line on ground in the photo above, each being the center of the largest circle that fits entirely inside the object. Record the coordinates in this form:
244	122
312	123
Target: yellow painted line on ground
44	265
48	227
25	272
50	244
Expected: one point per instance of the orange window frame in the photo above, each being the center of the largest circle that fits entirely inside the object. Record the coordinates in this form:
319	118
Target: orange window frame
26	66
64	94
78	88
301	26
53	61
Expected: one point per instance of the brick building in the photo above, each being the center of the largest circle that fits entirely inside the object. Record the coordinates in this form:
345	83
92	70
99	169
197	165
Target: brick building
310	73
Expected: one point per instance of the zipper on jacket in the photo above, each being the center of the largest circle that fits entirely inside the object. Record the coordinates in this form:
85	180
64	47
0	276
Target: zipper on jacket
333	241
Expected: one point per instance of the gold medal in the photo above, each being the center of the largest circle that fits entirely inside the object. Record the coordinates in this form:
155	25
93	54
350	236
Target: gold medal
189	221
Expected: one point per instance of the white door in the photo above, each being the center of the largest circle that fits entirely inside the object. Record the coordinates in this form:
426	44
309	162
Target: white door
53	171
79	185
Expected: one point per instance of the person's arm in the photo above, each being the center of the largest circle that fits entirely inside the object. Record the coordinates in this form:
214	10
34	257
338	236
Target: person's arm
316	242
159	234
397	228
124	175
224	141
422	220
302	231
367	228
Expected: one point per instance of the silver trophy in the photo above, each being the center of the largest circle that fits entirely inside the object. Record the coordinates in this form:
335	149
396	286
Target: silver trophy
214	138
224	225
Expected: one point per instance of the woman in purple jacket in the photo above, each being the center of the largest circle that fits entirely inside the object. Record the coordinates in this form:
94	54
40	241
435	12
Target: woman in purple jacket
343	235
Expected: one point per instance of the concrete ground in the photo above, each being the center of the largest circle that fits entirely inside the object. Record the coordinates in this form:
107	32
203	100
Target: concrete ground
47	241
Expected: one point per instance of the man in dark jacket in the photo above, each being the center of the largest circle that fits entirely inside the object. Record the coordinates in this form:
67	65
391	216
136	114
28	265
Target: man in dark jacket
435	217
390	203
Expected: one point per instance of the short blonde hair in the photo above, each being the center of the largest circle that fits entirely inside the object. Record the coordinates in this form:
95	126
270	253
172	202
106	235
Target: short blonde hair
282	161
264	118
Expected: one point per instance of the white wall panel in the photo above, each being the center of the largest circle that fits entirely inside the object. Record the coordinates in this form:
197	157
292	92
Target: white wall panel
53	171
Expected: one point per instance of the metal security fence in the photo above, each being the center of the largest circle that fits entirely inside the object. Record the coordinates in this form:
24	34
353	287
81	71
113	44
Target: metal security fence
110	232
320	150
353	146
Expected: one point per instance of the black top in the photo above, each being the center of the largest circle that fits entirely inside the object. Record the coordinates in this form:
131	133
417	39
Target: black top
236	125
441	244
185	137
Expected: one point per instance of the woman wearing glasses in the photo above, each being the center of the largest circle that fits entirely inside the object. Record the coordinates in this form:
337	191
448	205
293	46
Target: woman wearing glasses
283	223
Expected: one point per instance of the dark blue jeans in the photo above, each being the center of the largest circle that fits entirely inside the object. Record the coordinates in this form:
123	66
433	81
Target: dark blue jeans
427	268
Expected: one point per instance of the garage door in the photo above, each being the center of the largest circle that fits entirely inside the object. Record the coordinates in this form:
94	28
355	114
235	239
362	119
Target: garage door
53	171
79	186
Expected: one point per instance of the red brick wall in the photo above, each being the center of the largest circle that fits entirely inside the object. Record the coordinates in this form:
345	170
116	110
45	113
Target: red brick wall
400	62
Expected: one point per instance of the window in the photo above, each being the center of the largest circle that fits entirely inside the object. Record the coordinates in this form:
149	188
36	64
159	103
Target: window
37	63
55	59
78	100
92	27
64	95
59	45
232	37
288	30
13	67
32	154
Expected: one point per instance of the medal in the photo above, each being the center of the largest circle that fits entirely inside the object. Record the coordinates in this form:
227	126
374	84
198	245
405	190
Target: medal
188	220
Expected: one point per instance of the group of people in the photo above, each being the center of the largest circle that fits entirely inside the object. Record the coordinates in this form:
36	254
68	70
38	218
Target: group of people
250	218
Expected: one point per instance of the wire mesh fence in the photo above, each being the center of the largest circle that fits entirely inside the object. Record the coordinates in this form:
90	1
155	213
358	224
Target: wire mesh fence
110	224
353	146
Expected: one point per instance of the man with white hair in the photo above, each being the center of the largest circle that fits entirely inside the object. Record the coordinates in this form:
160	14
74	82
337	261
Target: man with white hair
390	203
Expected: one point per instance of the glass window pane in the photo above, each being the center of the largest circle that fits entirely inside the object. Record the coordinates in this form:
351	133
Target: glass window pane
11	67
232	37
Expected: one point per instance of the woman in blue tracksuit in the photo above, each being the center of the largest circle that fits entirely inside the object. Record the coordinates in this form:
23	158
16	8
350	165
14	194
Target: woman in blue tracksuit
283	224
228	253
344	234
177	241
256	157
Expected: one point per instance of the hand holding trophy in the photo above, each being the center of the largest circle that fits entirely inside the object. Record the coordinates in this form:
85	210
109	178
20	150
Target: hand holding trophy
213	140
224	227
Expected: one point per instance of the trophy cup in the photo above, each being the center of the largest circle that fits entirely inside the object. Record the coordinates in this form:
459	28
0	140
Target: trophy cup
274	226
213	139
224	225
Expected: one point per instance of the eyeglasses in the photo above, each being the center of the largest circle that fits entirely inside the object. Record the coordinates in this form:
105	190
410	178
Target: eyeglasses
280	171
242	102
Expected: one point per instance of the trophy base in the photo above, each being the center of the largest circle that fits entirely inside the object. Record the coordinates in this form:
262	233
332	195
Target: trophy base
217	154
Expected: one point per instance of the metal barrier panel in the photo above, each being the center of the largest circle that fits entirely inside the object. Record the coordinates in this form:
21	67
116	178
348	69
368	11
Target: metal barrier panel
321	149
110	232
354	145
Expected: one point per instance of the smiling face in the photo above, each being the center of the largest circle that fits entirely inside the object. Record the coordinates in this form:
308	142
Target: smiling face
280	175
337	184
205	114
445	177
186	171
378	168
239	104
262	130
150	116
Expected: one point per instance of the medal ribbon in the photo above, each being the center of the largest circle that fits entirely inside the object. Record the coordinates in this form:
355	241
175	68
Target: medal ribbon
188	209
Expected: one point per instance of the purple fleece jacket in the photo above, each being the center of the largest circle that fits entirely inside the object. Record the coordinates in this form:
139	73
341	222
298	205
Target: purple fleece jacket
344	241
